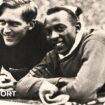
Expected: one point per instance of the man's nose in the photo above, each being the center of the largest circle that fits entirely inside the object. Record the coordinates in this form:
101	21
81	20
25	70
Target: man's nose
54	35
6	30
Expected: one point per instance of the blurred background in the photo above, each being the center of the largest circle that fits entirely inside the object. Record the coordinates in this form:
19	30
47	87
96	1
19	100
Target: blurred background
93	10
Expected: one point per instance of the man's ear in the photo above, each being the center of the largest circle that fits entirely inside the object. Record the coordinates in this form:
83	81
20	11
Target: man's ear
78	27
31	25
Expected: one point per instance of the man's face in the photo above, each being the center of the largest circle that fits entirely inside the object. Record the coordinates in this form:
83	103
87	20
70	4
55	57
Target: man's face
60	31
12	27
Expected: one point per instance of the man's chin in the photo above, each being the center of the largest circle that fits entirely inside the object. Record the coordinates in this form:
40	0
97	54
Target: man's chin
10	44
63	52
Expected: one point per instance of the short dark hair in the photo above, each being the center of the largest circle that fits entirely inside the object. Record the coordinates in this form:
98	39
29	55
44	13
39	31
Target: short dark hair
73	17
28	14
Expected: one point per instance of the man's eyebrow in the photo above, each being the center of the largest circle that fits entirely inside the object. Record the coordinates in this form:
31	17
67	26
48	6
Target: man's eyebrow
60	24
11	21
1	20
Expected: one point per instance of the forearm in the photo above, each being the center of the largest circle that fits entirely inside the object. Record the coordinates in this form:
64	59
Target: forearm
83	91
28	86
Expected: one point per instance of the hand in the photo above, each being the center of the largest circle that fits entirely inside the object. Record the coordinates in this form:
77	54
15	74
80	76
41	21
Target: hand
46	94
6	83
63	90
46	91
47	87
66	80
7	74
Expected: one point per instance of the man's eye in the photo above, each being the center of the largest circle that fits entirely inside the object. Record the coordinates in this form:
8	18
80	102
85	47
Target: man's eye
60	28
14	24
2	22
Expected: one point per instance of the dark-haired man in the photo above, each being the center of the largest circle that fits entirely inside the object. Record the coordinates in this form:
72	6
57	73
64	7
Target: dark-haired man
76	65
22	39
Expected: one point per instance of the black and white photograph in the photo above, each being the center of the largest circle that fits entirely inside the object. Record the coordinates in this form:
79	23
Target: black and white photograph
52	52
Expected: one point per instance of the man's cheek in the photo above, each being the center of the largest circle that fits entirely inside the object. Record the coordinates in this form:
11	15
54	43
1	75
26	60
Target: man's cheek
0	30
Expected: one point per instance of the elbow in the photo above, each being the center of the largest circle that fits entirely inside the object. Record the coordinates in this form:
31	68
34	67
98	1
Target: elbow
21	90
28	87
23	87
